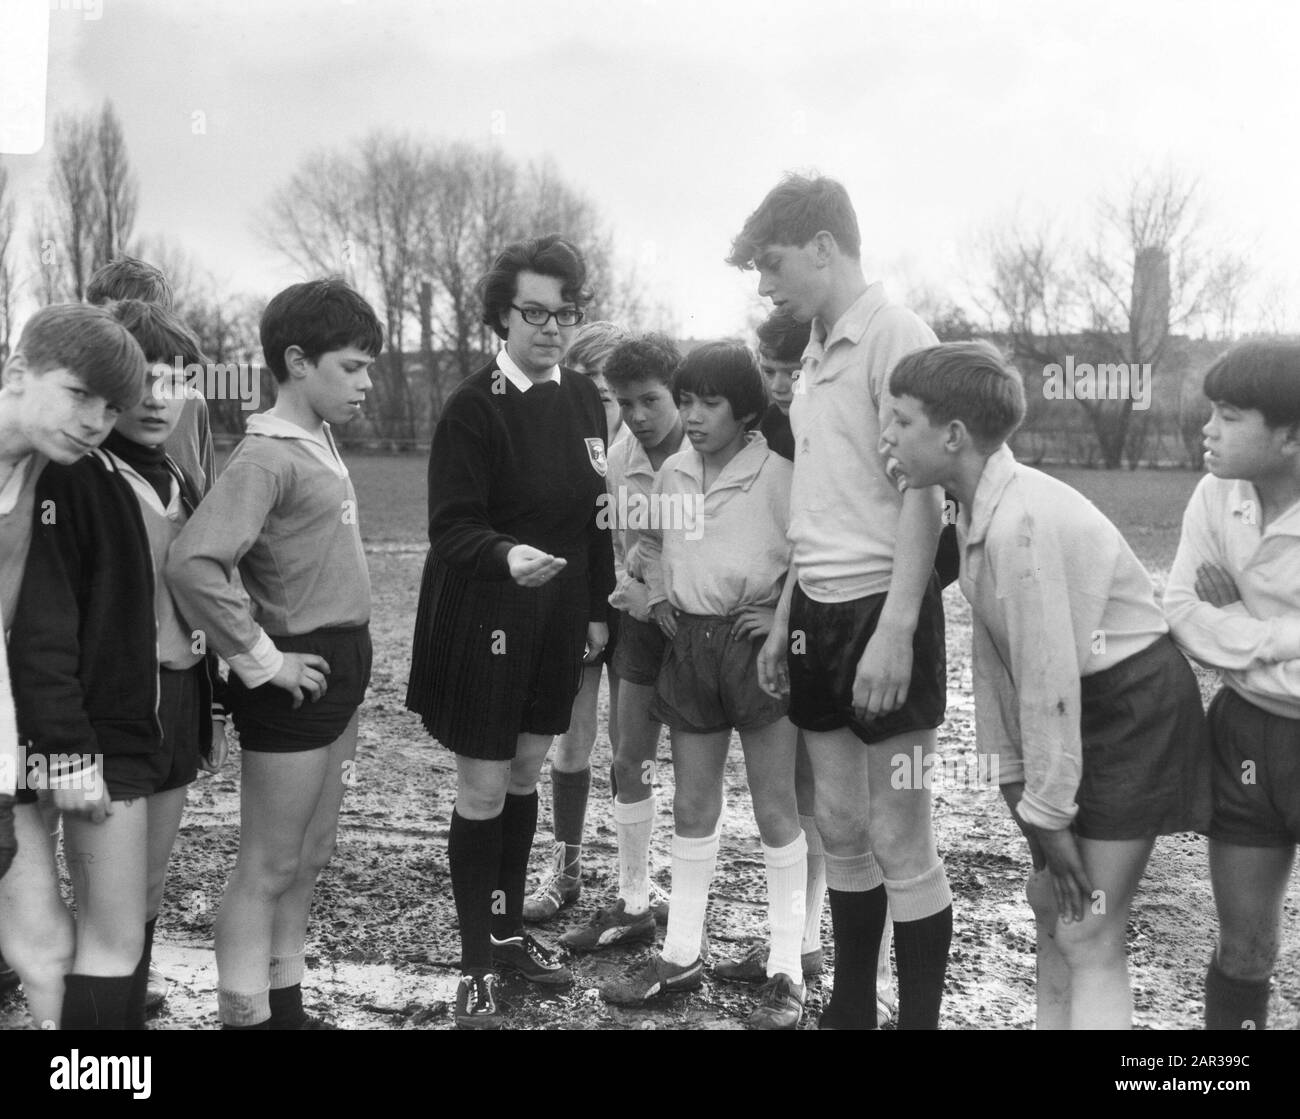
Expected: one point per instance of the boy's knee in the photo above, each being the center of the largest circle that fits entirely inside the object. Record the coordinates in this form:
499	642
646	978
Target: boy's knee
695	815
1247	956
843	832
1094	941
272	875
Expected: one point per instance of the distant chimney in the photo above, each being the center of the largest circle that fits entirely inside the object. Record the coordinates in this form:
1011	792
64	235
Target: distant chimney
1150	311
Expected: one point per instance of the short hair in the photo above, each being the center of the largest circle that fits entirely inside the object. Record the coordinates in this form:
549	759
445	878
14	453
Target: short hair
127	277
793	213
645	357
594	343
1263	375
967	381
89	343
782	337
551	255
317	316
725	369
162	335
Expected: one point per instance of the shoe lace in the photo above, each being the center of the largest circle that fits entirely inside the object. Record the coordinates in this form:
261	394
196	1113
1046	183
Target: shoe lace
538	952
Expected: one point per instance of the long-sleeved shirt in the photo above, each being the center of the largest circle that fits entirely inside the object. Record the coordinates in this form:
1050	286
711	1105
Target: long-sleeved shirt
719	551
1056	594
631	484
282	518
514	462
843	506
8	728
17	499
1254	642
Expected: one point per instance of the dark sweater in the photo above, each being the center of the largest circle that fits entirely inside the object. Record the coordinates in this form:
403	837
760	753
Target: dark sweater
775	427
510	467
83	652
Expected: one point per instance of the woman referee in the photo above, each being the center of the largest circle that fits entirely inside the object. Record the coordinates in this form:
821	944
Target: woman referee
513	599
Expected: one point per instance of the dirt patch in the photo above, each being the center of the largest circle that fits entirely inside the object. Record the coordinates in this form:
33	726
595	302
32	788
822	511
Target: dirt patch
383	946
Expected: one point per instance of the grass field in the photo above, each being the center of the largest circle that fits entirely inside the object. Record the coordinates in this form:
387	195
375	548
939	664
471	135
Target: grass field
1146	505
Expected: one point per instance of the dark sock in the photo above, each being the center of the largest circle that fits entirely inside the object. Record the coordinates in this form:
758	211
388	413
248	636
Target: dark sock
569	811
518	826
286	1007
1231	1003
474	855
921	949
140	981
95	1002
858	920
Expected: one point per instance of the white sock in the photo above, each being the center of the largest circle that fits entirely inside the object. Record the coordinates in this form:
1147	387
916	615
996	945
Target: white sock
787	878
693	864
633	825
815	898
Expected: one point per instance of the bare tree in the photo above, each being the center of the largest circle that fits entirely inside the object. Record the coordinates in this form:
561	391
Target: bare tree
117	189
8	267
76	198
1148	272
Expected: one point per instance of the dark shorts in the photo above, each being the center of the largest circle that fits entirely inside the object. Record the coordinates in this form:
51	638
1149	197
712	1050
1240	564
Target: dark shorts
1146	752
181	712
492	660
611	646
1256	774
826	642
640	653
709	680
265	717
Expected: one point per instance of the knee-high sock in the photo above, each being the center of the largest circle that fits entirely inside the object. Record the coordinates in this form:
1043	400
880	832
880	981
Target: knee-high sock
922	911
787	878
856	891
286	991
518	826
1231	1003
244	1011
569	814
634	825
95	1002
140	981
694	861
815	897
474	853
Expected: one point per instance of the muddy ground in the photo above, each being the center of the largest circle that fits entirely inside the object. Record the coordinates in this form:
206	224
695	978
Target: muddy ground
383	948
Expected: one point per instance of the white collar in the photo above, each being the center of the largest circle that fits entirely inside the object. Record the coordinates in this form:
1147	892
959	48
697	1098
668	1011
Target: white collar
518	377
144	488
322	445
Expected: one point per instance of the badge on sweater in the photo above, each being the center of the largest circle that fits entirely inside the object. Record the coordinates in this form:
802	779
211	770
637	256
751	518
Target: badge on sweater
596	452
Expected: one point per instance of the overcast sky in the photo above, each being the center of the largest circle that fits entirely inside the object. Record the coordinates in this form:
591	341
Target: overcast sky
941	116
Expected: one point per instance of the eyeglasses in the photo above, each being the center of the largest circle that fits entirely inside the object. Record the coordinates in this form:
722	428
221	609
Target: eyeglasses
539	316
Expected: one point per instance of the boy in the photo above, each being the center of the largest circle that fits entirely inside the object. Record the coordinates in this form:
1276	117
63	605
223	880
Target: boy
862	619
714	562
106	669
190	444
1092	712
640	372
73	371
781	343
283	519
570	767
1232	602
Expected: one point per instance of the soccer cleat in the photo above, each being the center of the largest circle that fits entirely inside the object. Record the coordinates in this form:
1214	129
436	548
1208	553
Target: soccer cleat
531	959
557	891
155	993
752	966
476	1004
611	926
651	977
780	1005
